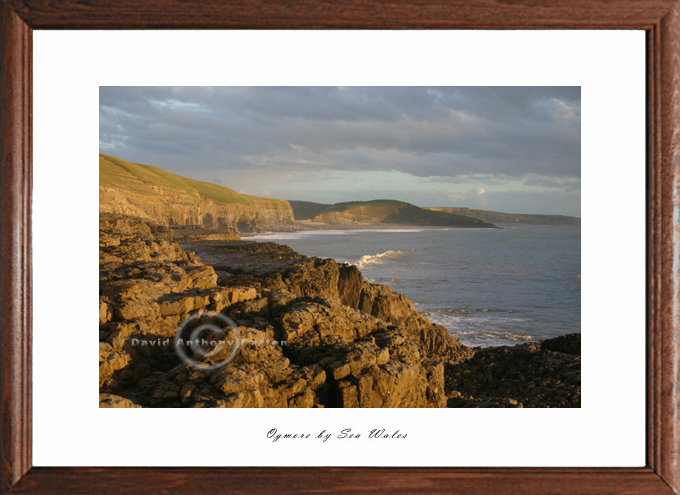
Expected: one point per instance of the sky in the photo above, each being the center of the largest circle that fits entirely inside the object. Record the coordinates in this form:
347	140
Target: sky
511	149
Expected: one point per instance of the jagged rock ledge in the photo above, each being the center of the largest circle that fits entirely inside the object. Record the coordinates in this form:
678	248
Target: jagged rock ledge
349	343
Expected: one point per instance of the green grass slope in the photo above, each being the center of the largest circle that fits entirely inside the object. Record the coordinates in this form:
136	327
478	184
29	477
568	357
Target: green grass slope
413	215
306	210
146	179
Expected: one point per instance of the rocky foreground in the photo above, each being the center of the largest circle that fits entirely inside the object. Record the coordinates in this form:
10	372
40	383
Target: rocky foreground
340	341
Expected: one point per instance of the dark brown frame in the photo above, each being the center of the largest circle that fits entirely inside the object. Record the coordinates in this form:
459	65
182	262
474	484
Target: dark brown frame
661	21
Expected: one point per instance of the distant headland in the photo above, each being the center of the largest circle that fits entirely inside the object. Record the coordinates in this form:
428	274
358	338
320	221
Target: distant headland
499	217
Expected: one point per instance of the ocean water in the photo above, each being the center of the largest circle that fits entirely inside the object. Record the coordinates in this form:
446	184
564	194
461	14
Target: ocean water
488	287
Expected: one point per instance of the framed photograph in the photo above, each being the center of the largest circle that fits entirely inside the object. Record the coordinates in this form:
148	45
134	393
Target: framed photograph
616	162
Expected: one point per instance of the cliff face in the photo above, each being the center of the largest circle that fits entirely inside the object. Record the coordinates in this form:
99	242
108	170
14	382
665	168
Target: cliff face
148	192
358	214
171	209
499	217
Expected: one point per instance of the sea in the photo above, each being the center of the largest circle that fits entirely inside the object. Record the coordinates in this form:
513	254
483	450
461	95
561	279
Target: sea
488	287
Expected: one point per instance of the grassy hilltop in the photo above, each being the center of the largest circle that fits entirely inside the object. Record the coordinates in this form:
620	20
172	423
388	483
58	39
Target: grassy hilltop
148	180
386	211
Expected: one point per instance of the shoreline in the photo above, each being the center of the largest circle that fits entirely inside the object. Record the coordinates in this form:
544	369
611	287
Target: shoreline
350	337
301	226
304	226
319	227
523	349
478	315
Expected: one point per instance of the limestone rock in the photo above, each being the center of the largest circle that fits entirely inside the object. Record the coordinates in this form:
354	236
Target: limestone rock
313	333
110	401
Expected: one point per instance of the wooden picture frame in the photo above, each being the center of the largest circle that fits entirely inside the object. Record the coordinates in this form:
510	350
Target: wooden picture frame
660	19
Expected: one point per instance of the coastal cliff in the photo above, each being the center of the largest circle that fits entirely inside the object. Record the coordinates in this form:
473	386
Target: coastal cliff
149	192
500	217
348	343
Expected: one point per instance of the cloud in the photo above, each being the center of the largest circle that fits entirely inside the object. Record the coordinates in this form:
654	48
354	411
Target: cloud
482	135
468	197
566	183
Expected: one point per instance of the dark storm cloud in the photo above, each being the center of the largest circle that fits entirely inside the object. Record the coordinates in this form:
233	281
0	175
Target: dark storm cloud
442	132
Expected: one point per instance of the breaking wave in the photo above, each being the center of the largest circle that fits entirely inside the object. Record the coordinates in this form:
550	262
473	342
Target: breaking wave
372	259
491	338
